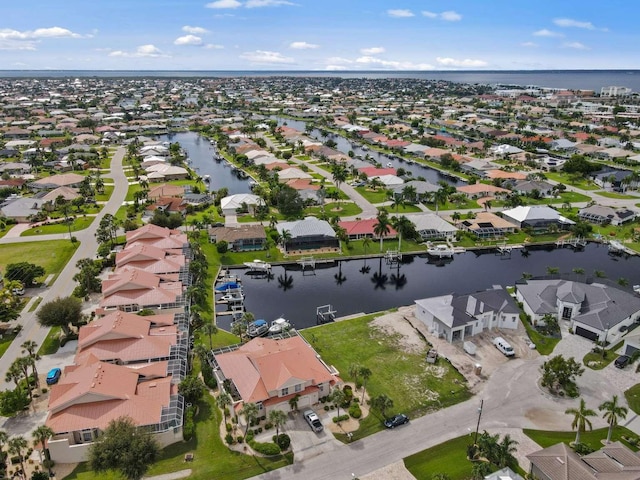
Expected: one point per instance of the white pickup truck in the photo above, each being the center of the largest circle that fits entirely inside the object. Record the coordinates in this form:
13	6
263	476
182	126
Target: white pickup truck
313	420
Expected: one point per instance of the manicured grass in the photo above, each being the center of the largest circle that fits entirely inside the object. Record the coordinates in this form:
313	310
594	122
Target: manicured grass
343	209
596	362
356	247
633	398
400	209
621	196
449	458
35	304
5	341
106	195
592	438
467	205
132	189
544	344
373	196
51	343
79	223
399	374
582	183
52	255
211	457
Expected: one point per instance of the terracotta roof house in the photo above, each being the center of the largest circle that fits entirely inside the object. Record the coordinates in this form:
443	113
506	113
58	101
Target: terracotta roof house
270	372
377	172
457	317
132	290
478	190
152	259
55	181
89	396
160	237
165	190
167	205
241	239
613	461
593	310
358	229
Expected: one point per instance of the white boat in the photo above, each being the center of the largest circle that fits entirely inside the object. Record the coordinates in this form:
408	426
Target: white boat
233	297
389	165
258	328
440	250
279	325
258	265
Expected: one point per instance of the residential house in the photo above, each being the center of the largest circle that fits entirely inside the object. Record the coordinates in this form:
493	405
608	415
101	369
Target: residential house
271	372
165	190
359	229
456	317
530	187
537	217
614	461
21	209
153	259
482	190
606	215
423	189
308	234
504	474
432	227
231	204
594	310
240	239
486	225
55	181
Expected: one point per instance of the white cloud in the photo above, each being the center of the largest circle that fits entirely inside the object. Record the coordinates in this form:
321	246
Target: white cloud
451	16
392	64
15	45
303	45
51	32
142	51
224	4
575	45
547	33
188	40
265	56
528	44
467	62
448	16
400	13
266	3
338	60
372	50
569	22
213	46
195	30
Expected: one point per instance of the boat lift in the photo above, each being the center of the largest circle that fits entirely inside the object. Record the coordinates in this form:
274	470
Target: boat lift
325	314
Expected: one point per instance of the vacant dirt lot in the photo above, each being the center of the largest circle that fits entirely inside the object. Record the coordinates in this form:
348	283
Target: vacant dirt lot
412	332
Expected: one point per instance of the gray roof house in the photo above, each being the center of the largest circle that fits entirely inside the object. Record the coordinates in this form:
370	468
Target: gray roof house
21	208
456	317
525	187
309	234
593	310
606	215
431	227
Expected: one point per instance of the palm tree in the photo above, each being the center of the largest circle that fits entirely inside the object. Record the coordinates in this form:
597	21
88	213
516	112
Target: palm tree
278	418
440	196
613	411
365	373
506	449
250	413
210	329
337	396
382	403
40	436
339	174
382	227
354	371
402	225
16	447
224	401
285	236
581	418
31	348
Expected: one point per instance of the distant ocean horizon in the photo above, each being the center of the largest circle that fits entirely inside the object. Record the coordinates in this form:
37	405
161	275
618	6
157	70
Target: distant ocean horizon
569	79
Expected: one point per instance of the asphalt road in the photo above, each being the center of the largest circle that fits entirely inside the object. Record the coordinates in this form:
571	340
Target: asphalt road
64	285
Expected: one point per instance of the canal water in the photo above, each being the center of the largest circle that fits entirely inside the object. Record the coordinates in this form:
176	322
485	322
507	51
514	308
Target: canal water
371	285
344	145
200	153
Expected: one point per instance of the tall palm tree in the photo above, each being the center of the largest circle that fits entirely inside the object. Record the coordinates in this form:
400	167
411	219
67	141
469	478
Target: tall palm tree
402	225
365	373
250	413
382	227
40	436
278	418
581	418
17	446
224	401
506	449
210	329
31	348
613	411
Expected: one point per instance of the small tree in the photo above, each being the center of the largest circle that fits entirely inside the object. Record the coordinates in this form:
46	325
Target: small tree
382	403
224	401
40	436
25	272
31	348
278	418
559	373
61	312
337	396
125	448
250	412
17	446
210	329
581	418
191	388
365	373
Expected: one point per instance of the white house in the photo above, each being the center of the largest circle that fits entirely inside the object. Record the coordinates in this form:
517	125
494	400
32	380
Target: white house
456	317
232	203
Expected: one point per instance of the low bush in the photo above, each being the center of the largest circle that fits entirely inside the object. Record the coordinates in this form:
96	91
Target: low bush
354	411
229	439
283	441
268	449
341	418
189	427
268	426
228	427
240	439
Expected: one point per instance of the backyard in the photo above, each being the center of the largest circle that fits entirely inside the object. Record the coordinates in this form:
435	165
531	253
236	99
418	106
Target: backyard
53	259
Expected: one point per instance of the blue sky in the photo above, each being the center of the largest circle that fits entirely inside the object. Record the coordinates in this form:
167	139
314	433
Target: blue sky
319	34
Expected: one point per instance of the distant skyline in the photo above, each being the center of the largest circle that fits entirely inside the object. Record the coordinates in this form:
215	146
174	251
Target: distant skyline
322	35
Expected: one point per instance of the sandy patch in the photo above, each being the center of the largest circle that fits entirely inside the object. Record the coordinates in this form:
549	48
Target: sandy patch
393	471
395	325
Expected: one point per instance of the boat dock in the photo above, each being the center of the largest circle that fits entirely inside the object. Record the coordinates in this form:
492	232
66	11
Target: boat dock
573	242
505	250
617	247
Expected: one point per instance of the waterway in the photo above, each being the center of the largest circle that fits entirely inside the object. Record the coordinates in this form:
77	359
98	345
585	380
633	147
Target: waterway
344	145
371	285
200	153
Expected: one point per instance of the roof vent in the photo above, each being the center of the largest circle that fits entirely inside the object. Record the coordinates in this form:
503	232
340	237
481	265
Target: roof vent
153	385
560	460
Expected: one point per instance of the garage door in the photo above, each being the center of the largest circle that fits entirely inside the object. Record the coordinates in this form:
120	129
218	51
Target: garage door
586	333
304	401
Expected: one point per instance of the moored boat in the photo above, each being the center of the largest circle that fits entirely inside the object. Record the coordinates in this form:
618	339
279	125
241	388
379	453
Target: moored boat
279	325
440	250
258	265
258	328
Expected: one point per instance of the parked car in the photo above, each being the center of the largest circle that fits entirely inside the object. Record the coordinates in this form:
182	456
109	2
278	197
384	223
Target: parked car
19	290
53	376
396	421
313	420
622	361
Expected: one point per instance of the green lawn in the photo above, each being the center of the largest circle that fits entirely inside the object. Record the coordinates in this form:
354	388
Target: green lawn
596	362
106	195
449	458
5	341
544	344
403	376
51	343
132	189
400	209
79	223
373	196
582	183
211	457
343	209
633	397
621	196
592	438
469	204
52	255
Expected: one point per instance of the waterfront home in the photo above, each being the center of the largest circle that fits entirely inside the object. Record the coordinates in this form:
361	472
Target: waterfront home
359	229
456	317
248	202
560	462
271	372
537	217
152	259
606	215
308	234
157	236
292	173
432	227
594	310
91	395
482	190
486	225
161	172
423	189
165	190
240	239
